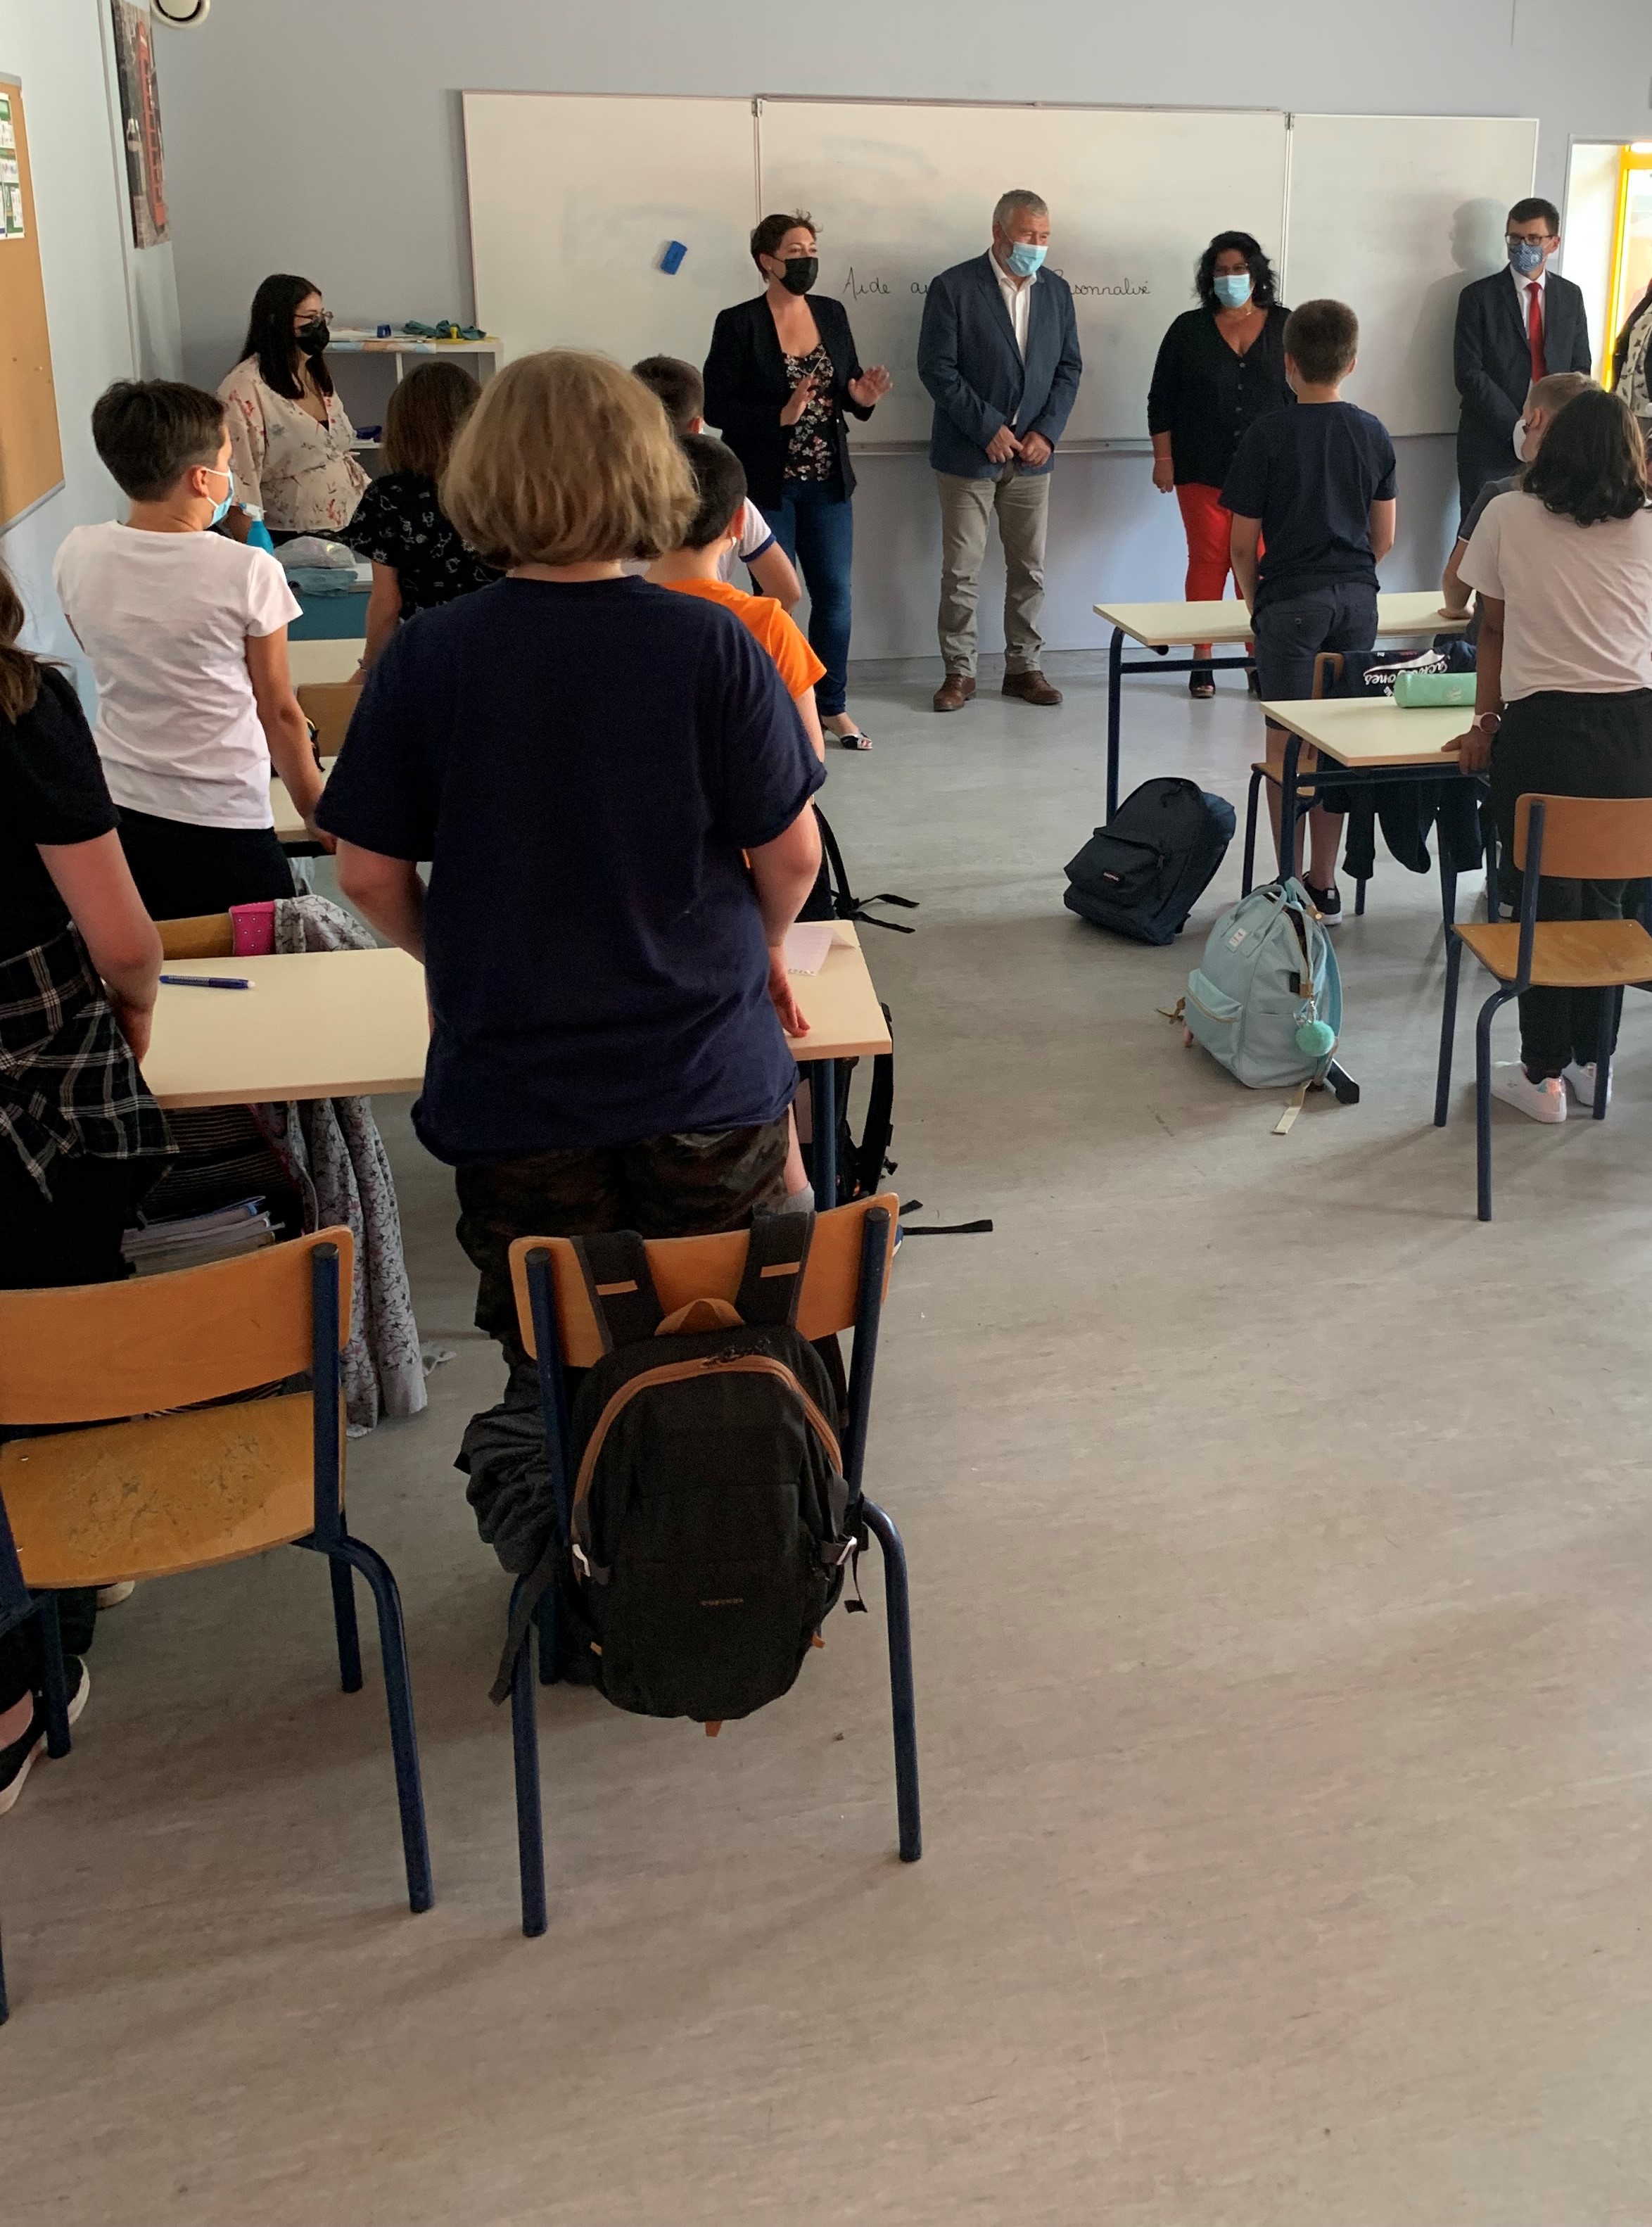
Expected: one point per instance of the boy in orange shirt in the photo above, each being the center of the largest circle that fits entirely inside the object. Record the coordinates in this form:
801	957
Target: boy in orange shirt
716	525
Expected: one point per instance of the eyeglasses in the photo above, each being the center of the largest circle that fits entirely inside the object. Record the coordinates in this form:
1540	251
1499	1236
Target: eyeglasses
1530	238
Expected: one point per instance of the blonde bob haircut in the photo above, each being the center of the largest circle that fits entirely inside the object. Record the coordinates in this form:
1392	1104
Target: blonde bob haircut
568	459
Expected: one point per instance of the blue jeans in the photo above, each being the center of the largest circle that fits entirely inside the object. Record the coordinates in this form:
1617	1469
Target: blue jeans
816	528
1291	630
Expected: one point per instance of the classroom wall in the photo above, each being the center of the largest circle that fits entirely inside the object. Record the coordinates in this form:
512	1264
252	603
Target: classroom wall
58	47
368	197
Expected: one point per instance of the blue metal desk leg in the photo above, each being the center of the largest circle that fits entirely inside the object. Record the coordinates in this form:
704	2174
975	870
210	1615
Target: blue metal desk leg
823	1102
1115	684
1288	806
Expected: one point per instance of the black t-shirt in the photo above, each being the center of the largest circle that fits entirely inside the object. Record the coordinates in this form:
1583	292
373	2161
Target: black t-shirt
51	790
1311	475
399	522
1206	397
583	764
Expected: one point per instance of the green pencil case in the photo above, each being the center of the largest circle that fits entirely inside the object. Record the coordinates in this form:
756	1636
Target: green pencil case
1426	692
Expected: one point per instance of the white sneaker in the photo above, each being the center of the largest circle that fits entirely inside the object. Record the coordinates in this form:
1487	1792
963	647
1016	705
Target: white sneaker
1582	1080
1541	1101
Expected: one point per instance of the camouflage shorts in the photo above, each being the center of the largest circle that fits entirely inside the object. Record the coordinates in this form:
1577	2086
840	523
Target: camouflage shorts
691	1185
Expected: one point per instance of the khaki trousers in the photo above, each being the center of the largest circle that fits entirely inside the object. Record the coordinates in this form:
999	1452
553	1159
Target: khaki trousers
1021	501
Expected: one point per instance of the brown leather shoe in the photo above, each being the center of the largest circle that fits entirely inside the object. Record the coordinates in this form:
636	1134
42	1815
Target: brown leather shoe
954	692
1032	688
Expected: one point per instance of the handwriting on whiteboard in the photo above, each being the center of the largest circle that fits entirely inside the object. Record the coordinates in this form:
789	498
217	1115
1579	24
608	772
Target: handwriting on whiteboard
857	284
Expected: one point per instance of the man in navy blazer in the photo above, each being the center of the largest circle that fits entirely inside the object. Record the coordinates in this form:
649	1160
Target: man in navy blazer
1513	329
998	353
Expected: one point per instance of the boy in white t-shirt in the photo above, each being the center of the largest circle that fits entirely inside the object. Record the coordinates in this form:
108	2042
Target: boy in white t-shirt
187	633
682	393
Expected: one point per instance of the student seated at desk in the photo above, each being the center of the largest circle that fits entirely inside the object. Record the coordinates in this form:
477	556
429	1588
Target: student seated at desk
418	559
1315	487
1563	691
585	758
682	396
187	633
80	1138
1544	397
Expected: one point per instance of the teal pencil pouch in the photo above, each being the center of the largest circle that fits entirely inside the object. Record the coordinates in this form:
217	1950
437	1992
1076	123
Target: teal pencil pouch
1426	692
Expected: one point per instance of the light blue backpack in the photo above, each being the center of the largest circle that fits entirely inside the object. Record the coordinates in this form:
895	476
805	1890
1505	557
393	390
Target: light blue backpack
1266	1000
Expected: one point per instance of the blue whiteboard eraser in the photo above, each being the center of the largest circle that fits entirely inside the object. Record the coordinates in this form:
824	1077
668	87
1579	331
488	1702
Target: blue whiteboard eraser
671	259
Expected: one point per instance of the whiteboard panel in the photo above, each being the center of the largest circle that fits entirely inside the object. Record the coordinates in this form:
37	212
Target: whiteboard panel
1394	214
572	198
901	190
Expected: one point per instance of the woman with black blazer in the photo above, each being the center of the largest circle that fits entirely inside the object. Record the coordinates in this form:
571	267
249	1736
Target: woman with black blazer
1221	367
781	372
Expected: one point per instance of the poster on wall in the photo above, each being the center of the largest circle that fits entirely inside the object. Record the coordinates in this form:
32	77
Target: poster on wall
140	116
11	192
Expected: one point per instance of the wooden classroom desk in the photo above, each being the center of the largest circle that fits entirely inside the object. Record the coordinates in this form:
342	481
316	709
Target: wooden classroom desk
314	1024
323	661
1358	740
1163	627
351	1024
289	827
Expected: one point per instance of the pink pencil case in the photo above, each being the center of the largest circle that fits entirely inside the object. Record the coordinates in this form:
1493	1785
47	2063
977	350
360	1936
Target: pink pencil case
253	928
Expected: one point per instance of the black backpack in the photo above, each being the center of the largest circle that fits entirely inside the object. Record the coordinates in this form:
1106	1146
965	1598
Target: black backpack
1143	873
710	1514
831	898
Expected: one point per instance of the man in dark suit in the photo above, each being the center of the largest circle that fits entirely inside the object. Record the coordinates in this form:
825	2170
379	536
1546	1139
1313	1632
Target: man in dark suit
1514	328
998	353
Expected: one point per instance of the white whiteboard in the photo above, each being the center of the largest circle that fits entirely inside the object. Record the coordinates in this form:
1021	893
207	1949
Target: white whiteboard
903	189
573	196
1394	214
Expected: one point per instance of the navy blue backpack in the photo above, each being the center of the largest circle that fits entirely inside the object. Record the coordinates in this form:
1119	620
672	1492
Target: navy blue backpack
1143	873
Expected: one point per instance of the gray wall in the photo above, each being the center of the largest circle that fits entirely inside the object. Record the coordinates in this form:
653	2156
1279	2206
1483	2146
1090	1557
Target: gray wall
357	174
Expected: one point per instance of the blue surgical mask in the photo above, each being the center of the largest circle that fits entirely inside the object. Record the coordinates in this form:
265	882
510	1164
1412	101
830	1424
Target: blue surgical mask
1024	260
222	511
1233	288
1526	256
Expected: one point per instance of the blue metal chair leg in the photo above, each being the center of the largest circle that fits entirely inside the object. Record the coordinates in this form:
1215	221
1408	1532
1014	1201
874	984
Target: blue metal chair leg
1251	801
530	1819
1483	1100
399	1700
345	1627
897	1611
1610	1000
55	1677
545	1622
1359	897
1447	1029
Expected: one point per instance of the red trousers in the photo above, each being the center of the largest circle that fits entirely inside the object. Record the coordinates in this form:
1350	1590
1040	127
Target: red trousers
1209	528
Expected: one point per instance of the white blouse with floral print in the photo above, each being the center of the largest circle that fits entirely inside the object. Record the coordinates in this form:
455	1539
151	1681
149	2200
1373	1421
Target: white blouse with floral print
301	476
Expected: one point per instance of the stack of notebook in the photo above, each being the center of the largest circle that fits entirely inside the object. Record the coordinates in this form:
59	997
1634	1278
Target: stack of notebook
192	1239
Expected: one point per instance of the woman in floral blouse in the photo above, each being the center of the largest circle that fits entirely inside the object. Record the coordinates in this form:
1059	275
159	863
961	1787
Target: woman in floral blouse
290	440
418	558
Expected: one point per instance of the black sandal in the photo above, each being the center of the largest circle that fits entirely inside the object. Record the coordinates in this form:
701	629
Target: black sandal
1202	681
856	741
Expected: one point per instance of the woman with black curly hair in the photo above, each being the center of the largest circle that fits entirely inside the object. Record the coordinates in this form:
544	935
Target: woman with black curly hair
1563	694
1220	368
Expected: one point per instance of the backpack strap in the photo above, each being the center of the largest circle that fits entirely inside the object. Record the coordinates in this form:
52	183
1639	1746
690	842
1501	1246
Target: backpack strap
619	1286
776	1256
870	1157
846	903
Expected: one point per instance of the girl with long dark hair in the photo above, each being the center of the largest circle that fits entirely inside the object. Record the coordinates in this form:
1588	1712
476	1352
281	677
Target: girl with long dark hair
290	440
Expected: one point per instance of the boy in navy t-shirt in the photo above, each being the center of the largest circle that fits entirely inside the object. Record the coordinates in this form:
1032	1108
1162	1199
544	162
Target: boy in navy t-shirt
1313	495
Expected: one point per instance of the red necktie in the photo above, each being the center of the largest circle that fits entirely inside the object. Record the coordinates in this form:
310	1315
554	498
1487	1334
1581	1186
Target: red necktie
1535	325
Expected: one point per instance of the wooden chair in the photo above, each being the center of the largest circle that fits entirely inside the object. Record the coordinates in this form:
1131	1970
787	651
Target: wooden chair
844	1286
1328	671
329	705
202	936
1572	838
182	1486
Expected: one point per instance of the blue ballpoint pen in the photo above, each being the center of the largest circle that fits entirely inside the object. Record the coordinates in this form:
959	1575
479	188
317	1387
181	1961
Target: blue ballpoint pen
208	981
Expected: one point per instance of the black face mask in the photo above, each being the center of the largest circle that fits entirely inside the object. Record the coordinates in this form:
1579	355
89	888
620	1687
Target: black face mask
801	272
314	337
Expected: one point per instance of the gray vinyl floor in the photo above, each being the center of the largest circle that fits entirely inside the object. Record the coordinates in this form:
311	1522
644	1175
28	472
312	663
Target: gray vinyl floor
1282	1556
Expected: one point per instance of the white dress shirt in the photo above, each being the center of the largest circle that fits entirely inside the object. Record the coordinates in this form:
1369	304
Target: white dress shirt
1017	300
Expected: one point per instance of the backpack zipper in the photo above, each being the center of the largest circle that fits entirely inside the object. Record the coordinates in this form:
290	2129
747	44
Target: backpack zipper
678	1372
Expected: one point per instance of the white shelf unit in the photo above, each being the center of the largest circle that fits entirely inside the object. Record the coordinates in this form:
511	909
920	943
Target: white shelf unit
366	399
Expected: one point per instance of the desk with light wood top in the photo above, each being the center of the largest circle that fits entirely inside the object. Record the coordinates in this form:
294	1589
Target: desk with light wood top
1163	627
1354	740
323	661
289	827
352	1023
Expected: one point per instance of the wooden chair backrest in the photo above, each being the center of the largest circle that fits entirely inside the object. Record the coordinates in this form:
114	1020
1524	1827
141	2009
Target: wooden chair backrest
1328	671
685	1268
84	1353
329	705
1589	838
202	935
